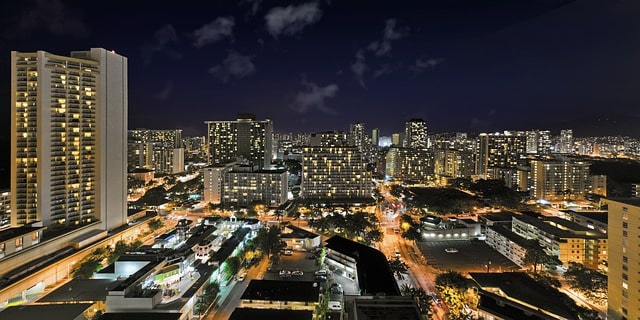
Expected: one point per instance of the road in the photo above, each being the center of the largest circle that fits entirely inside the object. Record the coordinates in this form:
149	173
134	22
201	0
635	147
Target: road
231	294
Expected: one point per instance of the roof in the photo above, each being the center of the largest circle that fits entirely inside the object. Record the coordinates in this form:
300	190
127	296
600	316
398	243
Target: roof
374	275
270	314
545	227
141	316
382	307
11	233
48	311
282	290
297	233
600	216
520	286
500	216
630	201
81	290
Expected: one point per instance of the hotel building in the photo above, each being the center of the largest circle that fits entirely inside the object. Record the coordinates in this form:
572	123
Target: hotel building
160	150
68	131
559	179
624	262
244	140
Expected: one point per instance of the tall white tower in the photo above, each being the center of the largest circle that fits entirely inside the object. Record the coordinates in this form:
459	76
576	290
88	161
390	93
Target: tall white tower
68	131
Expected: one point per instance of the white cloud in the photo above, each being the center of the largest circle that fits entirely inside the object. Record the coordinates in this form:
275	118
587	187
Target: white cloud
384	69
390	33
214	31
291	20
235	66
359	68
313	97
163	38
422	64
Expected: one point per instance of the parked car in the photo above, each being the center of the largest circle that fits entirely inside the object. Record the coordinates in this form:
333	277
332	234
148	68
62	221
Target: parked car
288	252
322	272
450	250
285	273
296	273
241	276
335	305
321	278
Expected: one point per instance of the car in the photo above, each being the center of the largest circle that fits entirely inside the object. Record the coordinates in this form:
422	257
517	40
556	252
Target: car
336	288
335	305
241	276
450	250
321	272
321	278
285	273
288	252
311	257
296	273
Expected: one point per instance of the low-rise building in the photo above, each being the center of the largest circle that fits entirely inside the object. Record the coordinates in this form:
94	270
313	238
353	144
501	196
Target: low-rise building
281	294
509	244
300	239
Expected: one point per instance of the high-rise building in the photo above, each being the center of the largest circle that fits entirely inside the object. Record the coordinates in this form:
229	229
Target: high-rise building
559	179
375	137
68	130
415	134
623	262
538	142
566	141
357	136
396	139
454	163
160	150
234	184
409	165
244	140
502	150
334	170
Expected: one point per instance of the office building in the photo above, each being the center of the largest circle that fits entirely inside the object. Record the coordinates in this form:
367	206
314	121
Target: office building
375	137
396	139
538	142
415	134
159	150
559	179
454	163
244	140
68	130
414	166
624	262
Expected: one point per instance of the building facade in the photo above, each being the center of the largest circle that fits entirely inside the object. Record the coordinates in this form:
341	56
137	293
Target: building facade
501	150
69	124
559	179
159	150
624	263
415	134
243	140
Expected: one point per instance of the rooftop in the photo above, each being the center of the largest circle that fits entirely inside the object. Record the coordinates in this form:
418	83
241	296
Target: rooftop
630	201
297	232
15	232
282	290
600	216
270	314
521	287
48	311
81	290
382	307
374	275
510	235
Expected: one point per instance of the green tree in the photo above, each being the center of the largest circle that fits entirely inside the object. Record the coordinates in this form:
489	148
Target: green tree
592	284
232	266
398	267
454	289
86	268
535	255
547	280
155	224
423	300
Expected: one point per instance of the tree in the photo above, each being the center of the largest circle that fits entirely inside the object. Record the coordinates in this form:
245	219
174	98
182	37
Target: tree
454	289
232	266
422	298
398	267
547	280
85	269
155	224
592	284
535	255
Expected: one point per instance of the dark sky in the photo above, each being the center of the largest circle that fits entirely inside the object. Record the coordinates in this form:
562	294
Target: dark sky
462	65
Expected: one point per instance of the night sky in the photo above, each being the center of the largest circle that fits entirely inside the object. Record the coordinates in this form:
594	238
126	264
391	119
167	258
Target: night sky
462	65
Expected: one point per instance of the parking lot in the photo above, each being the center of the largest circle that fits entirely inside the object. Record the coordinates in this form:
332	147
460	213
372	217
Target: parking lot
298	260
465	256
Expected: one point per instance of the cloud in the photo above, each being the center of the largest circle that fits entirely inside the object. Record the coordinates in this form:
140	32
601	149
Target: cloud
390	33
313	97
422	64
292	20
254	6
235	66
384	69
166	91
359	68
52	16
163	38
216	30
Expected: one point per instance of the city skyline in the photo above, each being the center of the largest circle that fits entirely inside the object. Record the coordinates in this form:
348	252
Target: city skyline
473	67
